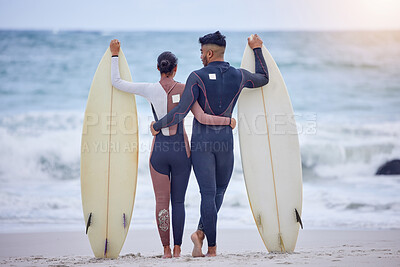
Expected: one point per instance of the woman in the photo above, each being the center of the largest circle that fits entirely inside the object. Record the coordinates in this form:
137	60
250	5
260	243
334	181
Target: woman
170	162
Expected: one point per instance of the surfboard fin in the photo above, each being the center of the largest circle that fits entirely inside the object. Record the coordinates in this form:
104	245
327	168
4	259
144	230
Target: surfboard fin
124	216
259	221
105	249
298	218
89	222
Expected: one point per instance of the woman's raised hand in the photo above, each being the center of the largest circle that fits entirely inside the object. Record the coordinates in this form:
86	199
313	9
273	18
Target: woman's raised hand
114	47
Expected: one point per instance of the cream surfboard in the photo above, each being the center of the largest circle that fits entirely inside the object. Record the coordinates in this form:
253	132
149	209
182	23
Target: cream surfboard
109	160
270	155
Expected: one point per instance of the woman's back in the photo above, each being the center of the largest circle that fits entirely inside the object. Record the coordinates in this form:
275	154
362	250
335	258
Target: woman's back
163	96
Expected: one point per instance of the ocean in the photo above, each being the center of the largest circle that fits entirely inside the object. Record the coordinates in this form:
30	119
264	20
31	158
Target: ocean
344	87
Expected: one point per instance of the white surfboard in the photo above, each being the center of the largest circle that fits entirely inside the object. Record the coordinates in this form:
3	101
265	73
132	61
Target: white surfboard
270	154
109	160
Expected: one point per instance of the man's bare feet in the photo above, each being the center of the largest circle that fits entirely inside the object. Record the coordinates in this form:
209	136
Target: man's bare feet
212	251
167	252
197	239
177	251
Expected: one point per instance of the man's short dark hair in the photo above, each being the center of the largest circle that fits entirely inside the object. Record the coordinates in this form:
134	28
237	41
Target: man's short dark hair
213	38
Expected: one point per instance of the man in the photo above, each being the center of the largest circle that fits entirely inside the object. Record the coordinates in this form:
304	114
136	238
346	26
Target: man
216	87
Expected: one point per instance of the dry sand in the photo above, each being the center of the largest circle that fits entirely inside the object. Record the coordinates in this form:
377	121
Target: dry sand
242	247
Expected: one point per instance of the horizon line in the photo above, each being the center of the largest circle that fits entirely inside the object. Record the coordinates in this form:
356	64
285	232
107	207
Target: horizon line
198	30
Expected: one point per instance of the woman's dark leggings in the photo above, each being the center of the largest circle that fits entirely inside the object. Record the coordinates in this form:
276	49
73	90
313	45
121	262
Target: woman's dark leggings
170	167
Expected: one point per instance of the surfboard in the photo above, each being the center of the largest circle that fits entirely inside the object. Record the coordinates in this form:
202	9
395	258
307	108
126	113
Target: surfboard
109	160
270	153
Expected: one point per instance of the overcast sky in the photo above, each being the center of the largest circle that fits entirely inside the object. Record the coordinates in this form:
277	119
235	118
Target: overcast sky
203	15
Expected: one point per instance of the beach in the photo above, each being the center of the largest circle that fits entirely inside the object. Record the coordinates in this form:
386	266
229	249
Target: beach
340	62
236	247
344	88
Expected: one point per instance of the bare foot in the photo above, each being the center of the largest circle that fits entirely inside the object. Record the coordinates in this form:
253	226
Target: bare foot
212	251
167	252
177	251
197	239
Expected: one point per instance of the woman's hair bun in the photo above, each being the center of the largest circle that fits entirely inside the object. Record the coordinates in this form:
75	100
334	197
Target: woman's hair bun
166	62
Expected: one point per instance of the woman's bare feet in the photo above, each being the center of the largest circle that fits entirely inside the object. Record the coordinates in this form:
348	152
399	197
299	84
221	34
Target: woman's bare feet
197	239
212	251
167	252
177	251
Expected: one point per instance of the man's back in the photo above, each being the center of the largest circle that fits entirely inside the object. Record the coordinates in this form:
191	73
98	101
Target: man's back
220	86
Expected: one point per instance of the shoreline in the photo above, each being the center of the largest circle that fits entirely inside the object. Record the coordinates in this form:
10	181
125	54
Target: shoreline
240	247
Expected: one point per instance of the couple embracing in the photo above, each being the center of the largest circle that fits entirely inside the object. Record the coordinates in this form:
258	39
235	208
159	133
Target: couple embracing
211	94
